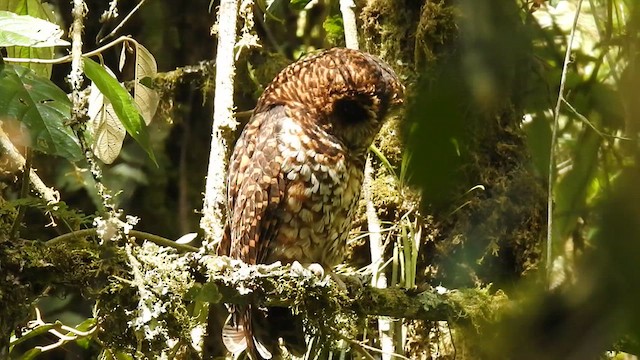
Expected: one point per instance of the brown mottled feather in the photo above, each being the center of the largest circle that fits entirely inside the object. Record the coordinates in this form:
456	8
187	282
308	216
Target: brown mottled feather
295	176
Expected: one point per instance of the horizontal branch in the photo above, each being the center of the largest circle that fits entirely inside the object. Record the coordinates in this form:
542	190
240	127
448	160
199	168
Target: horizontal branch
296	286
31	268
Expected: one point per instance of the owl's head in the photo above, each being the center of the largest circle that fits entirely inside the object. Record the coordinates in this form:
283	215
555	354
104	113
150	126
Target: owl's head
347	93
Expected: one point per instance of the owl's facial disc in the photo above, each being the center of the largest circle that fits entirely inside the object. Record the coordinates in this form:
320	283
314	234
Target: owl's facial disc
355	121
352	111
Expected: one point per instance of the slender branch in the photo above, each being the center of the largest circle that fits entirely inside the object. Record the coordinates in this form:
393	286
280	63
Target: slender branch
68	58
593	127
224	125
554	135
49	194
121	24
24	192
139	235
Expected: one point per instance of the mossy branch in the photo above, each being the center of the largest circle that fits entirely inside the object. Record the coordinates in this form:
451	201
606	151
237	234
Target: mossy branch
79	264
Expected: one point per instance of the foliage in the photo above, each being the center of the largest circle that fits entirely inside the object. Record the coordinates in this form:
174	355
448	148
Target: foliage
41	108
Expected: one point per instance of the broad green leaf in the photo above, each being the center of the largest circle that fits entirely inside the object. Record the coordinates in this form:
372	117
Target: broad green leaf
38	10
25	30
43	109
539	141
146	98
122	102
23	52
572	189
104	126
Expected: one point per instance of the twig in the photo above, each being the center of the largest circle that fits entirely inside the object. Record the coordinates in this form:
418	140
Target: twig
360	346
76	77
563	79
24	192
121	24
139	235
68	58
586	121
224	125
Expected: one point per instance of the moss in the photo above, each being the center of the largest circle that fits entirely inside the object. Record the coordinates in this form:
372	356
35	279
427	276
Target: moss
31	268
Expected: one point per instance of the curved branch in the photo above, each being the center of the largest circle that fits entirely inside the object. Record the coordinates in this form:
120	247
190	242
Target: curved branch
139	235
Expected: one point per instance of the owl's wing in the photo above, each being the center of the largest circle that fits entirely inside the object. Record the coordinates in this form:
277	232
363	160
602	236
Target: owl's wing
256	186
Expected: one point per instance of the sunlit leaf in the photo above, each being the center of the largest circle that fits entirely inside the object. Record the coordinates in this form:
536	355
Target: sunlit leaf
43	109
146	98
38	10
25	30
122	102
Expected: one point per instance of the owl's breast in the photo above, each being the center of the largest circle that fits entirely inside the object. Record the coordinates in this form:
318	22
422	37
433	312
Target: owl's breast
322	190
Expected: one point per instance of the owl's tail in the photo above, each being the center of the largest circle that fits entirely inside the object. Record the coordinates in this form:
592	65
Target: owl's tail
258	332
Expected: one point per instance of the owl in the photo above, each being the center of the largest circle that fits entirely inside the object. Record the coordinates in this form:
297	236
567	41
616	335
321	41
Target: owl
295	177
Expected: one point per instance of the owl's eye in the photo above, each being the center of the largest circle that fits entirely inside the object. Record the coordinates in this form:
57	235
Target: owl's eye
351	111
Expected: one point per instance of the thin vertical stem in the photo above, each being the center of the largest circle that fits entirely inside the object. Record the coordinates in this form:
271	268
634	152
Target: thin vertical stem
554	135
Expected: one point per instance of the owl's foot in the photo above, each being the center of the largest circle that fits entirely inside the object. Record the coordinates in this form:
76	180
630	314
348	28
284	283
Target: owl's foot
319	271
316	269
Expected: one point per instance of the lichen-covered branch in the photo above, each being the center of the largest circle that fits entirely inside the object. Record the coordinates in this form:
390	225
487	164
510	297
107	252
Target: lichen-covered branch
77	263
76	78
174	280
224	124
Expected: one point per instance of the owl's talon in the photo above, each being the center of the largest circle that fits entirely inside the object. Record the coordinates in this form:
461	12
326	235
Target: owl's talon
316	269
297	268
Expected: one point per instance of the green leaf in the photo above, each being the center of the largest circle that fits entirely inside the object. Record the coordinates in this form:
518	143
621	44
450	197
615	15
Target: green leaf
299	4
25	30
31	354
38	10
273	9
207	292
85	341
122	102
43	109
572	189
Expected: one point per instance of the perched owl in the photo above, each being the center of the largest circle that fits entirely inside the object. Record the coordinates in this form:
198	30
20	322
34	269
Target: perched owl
295	177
